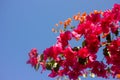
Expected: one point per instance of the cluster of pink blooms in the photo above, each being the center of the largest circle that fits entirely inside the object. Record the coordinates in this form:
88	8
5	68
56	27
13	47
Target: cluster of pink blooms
100	31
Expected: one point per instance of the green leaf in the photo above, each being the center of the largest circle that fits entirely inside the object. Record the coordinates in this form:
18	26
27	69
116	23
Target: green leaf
48	66
116	33
56	66
76	48
65	28
36	67
109	70
92	75
52	62
99	38
83	61
83	43
40	58
106	52
72	27
85	75
108	38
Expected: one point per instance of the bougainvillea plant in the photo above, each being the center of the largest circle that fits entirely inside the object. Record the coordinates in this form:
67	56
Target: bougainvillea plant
96	32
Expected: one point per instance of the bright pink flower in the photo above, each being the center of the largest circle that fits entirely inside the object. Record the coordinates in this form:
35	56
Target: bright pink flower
88	28
33	61
99	68
73	75
84	28
92	43
62	59
116	11
114	27
115	70
33	53
97	30
92	57
33	57
53	74
116	8
43	66
106	21
114	47
94	18
76	35
83	53
70	56
52	52
68	35
80	29
64	37
116	59
114	51
63	71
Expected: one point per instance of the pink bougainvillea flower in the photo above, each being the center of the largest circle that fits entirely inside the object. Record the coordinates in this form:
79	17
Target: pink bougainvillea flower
83	52
114	47
33	57
114	27
53	74
92	43
43	64
66	35
52	52
98	30
73	75
98	68
76	35
92	57
116	11
64	71
33	53
114	51
94	17
115	70
70	56
84	28
64	38
88	28
106	21
80	29
33	61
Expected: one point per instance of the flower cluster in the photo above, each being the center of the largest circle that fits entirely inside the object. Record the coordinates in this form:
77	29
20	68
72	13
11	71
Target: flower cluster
100	31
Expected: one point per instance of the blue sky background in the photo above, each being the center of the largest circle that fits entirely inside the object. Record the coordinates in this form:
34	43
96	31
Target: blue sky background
25	24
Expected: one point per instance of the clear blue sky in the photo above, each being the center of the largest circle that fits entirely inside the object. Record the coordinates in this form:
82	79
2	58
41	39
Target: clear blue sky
25	24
